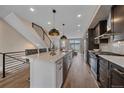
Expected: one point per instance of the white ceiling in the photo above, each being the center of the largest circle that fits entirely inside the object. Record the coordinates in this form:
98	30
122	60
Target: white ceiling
66	14
102	14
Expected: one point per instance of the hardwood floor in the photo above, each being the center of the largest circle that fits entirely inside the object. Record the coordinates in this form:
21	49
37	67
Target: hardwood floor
18	80
79	75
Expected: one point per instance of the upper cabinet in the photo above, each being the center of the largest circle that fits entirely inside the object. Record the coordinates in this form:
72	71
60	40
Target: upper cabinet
90	38
100	29
117	13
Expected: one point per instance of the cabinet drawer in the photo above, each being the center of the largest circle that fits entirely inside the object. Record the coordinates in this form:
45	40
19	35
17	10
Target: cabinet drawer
104	82
103	62
117	76
59	73
117	80
103	72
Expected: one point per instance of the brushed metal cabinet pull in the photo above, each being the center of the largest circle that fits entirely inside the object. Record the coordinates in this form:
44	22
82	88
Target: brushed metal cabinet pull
118	71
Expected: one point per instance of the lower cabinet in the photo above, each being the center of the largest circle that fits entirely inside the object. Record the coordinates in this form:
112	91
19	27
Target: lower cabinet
93	61
110	74
67	60
47	73
103	73
65	67
62	67
59	73
116	76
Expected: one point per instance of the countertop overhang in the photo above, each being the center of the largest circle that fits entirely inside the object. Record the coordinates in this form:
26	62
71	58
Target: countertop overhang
46	57
116	59
119	60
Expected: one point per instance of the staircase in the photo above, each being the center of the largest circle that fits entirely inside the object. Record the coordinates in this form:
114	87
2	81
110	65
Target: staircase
31	31
42	33
13	61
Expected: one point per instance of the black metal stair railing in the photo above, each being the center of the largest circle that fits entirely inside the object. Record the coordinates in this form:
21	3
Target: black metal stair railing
42	33
13	62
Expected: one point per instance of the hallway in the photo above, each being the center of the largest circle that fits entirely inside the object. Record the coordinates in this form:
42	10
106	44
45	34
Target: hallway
79	75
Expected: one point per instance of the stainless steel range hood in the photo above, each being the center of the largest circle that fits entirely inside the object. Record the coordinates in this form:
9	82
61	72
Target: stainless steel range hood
107	34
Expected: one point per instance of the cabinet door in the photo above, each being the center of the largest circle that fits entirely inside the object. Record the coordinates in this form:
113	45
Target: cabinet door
93	64
103	72
69	59
65	68
59	73
117	77
97	33
91	43
118	23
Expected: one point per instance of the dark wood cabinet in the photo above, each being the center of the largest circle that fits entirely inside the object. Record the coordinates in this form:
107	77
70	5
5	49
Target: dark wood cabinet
103	73
93	61
116	76
100	29
65	67
117	13
110	74
91	36
67	60
106	73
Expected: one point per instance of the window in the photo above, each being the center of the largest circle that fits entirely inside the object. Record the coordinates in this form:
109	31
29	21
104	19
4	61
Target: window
75	44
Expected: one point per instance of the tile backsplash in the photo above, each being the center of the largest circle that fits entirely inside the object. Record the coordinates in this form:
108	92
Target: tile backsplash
115	47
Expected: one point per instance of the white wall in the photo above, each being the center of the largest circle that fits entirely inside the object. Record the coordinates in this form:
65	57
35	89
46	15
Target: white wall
11	40
1	58
28	24
25	29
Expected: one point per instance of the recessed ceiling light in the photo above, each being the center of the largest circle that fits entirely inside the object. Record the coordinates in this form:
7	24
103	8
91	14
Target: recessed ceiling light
79	15
78	25
32	9
49	23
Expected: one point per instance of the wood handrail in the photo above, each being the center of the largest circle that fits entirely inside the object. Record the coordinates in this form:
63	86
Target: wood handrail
11	52
43	32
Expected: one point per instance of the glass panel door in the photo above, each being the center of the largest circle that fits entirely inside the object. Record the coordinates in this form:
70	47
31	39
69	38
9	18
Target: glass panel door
75	44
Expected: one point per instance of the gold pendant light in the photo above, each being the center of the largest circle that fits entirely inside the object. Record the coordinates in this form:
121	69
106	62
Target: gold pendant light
63	37
54	31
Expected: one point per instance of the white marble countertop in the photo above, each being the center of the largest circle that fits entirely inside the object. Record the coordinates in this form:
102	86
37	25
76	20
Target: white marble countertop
119	60
46	57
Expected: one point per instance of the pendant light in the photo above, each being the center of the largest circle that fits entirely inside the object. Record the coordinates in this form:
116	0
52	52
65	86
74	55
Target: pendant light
54	31
63	37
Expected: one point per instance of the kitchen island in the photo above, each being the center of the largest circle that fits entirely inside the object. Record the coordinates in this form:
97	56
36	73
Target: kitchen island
47	71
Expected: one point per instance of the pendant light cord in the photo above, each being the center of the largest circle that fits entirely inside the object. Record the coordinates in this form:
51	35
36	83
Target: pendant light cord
54	11
63	28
